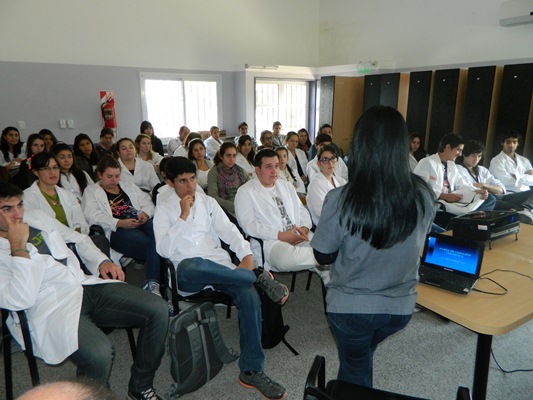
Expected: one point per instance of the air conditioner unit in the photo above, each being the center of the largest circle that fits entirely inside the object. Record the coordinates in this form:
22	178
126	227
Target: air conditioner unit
516	12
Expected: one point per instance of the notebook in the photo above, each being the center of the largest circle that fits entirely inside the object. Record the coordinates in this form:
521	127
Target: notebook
451	262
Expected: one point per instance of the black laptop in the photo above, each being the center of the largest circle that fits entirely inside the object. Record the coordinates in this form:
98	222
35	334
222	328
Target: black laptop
451	262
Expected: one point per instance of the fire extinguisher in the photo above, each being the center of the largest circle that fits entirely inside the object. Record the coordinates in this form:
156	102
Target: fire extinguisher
108	113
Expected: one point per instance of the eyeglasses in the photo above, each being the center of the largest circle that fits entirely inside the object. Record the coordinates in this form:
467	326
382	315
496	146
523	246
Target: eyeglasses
49	169
326	160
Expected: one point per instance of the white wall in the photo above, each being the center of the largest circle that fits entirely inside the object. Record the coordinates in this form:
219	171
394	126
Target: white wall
202	35
411	34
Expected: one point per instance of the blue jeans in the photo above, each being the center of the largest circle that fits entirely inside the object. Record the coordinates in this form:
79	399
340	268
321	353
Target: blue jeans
119	305
139	243
357	336
195	273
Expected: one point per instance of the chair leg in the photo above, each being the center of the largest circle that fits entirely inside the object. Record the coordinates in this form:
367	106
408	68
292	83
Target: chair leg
309	276
293	281
131	339
32	362
8	372
228	309
324	292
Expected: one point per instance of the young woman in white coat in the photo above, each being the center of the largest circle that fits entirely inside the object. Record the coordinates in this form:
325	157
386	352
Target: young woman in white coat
323	182
245	154
125	212
297	157
72	177
197	155
133	169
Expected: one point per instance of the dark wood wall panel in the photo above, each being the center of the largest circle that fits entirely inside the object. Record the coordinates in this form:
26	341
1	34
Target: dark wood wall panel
418	102
515	101
327	93
390	87
442	106
478	100
372	91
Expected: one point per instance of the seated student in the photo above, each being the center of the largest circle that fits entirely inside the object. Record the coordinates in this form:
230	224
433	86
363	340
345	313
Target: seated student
481	177
157	145
323	182
341	171
86	155
67	308
50	139
72	177
188	228
183	150
297	157
303	141
106	146
268	208
203	165
440	172
55	201
174	143
11	149
143	146
245	154
133	169
278	139
24	177
509	167
243	130
226	177
285	172
124	211
328	130
267	140
213	142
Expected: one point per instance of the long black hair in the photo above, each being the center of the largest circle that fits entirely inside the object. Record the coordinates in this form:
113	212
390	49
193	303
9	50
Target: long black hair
4	146
75	170
93	158
382	198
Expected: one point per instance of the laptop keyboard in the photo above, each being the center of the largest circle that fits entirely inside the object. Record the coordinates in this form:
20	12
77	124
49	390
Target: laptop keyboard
438	276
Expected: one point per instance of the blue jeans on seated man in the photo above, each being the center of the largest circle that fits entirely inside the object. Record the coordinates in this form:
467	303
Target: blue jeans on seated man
139	243
119	305
357	337
196	273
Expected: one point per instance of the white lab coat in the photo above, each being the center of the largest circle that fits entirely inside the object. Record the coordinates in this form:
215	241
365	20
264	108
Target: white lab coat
242	162
35	200
181	152
302	158
431	170
50	292
259	216
144	175
211	146
69	182
316	193
200	235
97	211
173	144
503	167
484	177
341	170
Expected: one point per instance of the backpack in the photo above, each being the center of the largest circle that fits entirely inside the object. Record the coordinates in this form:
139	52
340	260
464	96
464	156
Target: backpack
196	349
273	329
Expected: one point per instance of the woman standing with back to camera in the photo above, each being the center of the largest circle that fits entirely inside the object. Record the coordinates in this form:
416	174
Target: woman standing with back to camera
371	231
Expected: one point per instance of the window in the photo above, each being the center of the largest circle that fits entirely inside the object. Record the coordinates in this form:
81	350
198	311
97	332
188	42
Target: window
170	101
284	101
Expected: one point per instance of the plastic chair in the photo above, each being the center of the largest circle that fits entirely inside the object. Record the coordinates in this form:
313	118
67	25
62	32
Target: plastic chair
316	388
168	281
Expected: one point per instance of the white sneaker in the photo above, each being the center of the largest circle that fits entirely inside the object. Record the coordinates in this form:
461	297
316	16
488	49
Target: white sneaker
152	287
525	216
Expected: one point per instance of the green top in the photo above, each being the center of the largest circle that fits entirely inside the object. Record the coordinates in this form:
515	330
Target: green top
55	203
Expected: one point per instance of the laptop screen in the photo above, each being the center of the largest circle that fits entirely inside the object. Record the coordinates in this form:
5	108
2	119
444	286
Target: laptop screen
453	253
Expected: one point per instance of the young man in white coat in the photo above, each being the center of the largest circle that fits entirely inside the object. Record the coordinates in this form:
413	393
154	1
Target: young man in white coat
188	227
268	208
65	307
510	168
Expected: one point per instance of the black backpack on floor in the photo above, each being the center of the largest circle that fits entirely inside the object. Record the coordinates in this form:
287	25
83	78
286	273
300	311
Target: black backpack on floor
196	349
273	328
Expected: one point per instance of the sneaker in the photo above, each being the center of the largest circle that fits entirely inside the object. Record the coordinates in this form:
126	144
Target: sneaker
525	216
148	394
258	380
278	292
152	287
126	261
170	308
